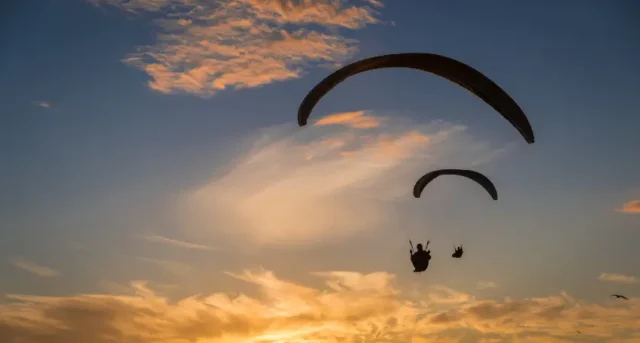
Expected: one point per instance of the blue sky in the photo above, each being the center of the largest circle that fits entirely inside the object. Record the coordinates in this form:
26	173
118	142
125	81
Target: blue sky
97	159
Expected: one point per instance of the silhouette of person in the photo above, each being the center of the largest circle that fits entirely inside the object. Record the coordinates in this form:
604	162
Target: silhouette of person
457	253
420	258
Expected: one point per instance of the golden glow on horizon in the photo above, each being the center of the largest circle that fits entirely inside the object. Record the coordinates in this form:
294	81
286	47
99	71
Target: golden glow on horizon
350	307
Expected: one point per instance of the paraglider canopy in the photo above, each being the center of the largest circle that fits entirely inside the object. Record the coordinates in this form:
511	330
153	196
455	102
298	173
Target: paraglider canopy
446	67
470	174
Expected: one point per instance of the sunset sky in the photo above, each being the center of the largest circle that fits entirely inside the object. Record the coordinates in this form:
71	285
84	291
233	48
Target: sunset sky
155	186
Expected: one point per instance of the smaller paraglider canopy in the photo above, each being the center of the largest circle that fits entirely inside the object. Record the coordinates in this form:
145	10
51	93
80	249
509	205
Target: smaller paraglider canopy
470	174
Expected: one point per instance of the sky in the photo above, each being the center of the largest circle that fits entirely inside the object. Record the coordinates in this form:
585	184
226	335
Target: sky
155	185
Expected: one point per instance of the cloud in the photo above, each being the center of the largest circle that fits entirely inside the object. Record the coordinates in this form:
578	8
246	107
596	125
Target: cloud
209	46
486	285
296	186
116	288
175	243
632	206
355	119
42	104
610	277
351	307
34	268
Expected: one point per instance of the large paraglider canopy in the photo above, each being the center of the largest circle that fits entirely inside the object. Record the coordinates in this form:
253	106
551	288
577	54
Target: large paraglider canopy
443	66
473	175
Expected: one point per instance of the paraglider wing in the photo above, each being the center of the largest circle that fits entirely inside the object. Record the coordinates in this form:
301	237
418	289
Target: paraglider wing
473	175
443	66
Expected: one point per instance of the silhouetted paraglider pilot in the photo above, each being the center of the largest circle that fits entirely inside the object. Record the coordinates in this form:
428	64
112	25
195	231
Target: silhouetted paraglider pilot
420	258
457	253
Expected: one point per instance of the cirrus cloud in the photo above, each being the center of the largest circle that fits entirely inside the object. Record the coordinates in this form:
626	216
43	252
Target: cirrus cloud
176	243
351	307
209	46
294	185
33	267
620	278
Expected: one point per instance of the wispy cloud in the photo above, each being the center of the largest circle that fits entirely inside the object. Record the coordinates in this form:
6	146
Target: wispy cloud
293	185
175	242
356	119
486	285
632	206
34	268
351	307
620	278
42	104
170	266
208	46
116	288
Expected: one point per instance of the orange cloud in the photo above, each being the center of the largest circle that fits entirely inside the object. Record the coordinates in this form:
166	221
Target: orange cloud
210	46
387	147
34	268
350	307
334	143
348	154
323	12
632	206
381	146
356	119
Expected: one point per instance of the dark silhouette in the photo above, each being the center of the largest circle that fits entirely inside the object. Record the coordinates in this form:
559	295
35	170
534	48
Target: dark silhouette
446	67
420	258
618	296
458	251
470	174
